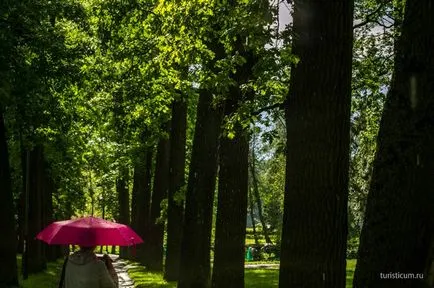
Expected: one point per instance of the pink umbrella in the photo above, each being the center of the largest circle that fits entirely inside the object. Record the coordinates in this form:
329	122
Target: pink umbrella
89	231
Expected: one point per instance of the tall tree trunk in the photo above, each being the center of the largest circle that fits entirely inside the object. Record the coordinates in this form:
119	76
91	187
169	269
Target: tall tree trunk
175	211
22	199
35	248
144	206
398	226
195	268
230	233
138	177
317	156
8	261
156	228
51	252
124	207
258	196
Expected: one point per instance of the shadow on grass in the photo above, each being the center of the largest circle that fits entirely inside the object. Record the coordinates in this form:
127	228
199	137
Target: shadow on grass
49	278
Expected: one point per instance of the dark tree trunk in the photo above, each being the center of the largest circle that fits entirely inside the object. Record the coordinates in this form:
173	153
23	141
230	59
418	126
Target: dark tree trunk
258	196
20	228
230	233
51	252
195	270
317	156
21	200
143	206
35	248
398	226
156	228
124	201
175	211
8	242
138	185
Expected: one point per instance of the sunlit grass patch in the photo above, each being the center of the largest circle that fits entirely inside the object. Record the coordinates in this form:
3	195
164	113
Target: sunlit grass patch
261	278
351	266
145	278
270	277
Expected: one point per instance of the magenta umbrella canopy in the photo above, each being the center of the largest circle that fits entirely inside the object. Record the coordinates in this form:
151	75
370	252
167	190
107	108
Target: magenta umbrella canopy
89	231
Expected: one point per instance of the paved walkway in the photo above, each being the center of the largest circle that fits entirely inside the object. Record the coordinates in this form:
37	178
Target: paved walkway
121	269
124	280
262	266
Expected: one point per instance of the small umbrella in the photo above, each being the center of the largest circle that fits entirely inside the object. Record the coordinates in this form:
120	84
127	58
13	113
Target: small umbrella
89	231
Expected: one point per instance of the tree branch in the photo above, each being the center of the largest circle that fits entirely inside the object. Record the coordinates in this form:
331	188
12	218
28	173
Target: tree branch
368	18
271	107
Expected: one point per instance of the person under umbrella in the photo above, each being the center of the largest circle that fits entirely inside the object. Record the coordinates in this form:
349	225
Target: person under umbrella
83	269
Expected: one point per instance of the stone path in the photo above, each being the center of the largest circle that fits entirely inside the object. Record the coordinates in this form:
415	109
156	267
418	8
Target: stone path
124	280
262	266
121	269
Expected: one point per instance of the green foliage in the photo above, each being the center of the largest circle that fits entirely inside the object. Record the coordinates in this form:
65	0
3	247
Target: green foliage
373	59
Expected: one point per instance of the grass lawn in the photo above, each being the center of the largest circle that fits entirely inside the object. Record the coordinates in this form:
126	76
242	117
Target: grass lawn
46	279
254	278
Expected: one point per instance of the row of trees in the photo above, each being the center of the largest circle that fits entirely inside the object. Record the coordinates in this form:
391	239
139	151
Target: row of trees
133	109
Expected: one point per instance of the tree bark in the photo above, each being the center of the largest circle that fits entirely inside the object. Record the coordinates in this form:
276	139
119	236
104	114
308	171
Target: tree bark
8	242
398	225
195	268
144	206
317	155
156	228
139	183
124	204
230	233
175	211
35	248
51	252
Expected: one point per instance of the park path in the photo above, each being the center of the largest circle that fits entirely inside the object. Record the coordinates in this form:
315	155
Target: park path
124	279
120	266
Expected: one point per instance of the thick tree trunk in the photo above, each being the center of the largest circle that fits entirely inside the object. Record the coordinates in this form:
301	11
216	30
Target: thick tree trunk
35	248
175	211
398	226
230	233
258	196
51	252
21	200
124	201
317	157
8	242
156	228
144	206
195	270
138	185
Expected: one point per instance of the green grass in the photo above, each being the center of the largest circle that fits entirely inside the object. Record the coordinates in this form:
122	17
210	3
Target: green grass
47	279
254	278
351	266
144	278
